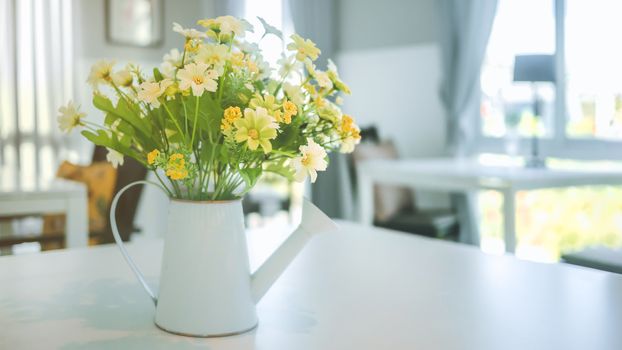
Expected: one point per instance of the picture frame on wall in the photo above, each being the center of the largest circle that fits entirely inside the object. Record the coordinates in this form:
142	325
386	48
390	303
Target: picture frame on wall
136	23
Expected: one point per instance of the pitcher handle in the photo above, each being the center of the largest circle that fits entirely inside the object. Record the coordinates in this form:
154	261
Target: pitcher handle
117	237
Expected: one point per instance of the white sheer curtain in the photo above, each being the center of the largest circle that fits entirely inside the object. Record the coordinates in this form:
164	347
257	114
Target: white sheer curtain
35	79
467	25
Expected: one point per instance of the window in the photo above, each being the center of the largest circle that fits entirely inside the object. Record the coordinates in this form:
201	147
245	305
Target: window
505	104
35	78
581	114
593	60
272	12
580	118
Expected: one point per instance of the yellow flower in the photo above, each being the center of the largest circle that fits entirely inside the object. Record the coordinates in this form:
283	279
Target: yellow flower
122	78
171	89
190	33
198	77
346	124
231	25
328	110
289	65
257	128
214	55
350	134
237	59
294	93
170	63
177	158
304	48
356	133
311	160
333	74
100	73
320	102
149	92
176	167
230	115
177	174
192	46
266	101
348	144
290	110
311	90
209	23
151	156
278	116
251	66
225	128
70	117
323	80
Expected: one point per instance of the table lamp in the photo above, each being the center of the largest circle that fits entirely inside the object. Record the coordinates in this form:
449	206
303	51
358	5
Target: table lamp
534	69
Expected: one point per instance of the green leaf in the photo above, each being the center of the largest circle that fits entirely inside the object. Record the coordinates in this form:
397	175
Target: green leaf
209	116
223	154
250	177
280	168
157	75
289	139
121	125
129	113
101	138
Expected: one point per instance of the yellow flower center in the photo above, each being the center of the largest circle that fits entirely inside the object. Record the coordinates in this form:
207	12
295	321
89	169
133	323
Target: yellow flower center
305	160
76	120
253	134
198	79
190	46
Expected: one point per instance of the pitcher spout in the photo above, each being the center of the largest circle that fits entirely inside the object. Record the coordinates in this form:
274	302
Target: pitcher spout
313	222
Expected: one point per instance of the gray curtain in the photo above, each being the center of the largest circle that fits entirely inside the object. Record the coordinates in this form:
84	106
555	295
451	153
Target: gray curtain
316	20
229	7
466	31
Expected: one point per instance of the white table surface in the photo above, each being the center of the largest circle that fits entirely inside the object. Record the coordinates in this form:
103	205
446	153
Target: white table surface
469	175
54	197
358	288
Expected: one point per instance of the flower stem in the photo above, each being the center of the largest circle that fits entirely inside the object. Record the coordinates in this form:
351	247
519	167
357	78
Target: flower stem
168	111
162	182
196	119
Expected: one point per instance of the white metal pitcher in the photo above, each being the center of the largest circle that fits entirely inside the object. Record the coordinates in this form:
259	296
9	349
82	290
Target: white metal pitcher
206	289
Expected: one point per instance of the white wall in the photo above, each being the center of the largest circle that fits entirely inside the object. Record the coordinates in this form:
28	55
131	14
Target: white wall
396	89
388	51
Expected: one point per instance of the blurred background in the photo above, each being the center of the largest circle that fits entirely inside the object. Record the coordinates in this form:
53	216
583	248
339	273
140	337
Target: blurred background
430	79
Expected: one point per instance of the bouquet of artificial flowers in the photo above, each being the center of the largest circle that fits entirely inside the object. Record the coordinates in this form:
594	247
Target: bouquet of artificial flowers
213	117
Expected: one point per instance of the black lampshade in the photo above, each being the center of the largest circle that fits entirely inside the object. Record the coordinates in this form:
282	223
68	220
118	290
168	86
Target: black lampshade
534	68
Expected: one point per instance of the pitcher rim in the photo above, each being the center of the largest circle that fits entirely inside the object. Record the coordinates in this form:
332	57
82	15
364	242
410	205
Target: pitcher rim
213	201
